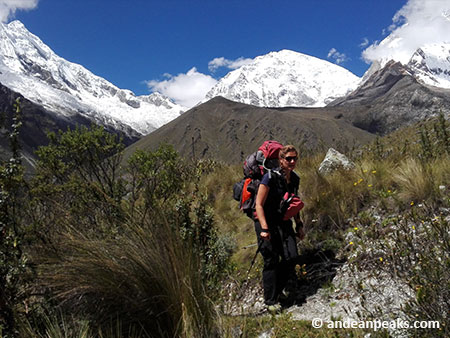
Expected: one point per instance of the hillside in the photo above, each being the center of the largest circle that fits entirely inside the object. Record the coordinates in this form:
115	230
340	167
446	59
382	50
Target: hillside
131	250
391	98
225	130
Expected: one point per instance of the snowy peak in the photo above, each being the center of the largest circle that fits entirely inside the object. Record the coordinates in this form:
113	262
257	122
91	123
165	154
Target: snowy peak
431	64
30	67
286	78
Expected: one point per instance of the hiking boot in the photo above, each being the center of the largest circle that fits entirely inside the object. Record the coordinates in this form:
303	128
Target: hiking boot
274	308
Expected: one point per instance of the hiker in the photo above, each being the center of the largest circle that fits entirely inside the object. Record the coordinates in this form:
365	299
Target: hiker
276	237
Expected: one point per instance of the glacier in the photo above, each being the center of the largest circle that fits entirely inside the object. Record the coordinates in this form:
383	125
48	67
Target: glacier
31	68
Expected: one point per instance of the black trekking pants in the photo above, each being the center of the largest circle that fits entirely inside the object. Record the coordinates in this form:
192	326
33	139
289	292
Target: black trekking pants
279	254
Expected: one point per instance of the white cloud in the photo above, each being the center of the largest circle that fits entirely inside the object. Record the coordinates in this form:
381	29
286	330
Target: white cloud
185	89
8	7
216	63
338	57
415	24
365	43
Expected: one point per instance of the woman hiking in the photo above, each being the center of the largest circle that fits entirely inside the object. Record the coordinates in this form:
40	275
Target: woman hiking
276	237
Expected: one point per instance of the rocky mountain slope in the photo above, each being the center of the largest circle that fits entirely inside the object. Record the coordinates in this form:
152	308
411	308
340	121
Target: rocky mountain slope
390	98
431	65
286	78
36	122
30	67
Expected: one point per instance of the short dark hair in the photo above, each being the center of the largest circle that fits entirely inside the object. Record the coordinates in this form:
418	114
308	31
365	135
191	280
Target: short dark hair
287	149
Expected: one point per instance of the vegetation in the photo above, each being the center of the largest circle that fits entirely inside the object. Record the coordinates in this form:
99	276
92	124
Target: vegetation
285	326
13	260
111	250
92	246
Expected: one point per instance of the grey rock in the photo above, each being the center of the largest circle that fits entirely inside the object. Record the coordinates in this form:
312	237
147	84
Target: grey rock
335	160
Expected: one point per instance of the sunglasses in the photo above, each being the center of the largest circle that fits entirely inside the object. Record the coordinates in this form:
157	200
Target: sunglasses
291	158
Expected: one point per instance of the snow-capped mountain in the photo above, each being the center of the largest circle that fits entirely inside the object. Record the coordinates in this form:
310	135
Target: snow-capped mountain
431	64
286	78
30	67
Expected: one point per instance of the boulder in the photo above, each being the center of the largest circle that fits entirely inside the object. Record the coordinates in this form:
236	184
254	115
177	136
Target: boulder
335	160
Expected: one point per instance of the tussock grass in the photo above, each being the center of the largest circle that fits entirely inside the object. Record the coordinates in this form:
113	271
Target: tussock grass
149	280
415	181
58	325
377	174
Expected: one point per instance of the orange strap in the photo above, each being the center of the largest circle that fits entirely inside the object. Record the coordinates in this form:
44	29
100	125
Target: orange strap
245	193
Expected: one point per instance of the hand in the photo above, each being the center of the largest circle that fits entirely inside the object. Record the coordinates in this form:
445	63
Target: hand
300	233
265	235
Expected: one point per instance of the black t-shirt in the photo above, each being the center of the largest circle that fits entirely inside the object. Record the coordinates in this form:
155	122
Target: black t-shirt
277	188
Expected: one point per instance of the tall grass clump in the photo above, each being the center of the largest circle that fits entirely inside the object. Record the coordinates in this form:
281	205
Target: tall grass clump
218	183
148	279
415	181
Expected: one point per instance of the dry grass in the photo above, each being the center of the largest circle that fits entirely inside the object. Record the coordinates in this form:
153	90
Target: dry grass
415	181
148	278
329	199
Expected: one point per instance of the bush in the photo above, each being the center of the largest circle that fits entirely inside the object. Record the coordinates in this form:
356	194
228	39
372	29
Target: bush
14	266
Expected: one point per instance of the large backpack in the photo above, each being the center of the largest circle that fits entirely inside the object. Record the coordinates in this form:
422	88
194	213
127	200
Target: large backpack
264	160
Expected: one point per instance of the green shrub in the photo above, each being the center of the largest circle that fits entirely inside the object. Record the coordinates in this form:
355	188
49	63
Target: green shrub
14	267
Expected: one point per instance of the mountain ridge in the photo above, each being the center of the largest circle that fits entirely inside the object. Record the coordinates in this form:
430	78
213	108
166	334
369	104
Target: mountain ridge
30	67
391	98
36	122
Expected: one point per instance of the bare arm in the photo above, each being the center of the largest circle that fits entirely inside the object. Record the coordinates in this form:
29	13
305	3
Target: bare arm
261	197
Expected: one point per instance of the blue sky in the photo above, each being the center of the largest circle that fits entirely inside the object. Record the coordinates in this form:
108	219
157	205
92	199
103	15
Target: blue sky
132	42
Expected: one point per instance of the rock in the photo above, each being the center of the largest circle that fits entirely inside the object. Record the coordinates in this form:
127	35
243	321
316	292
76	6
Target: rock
334	160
